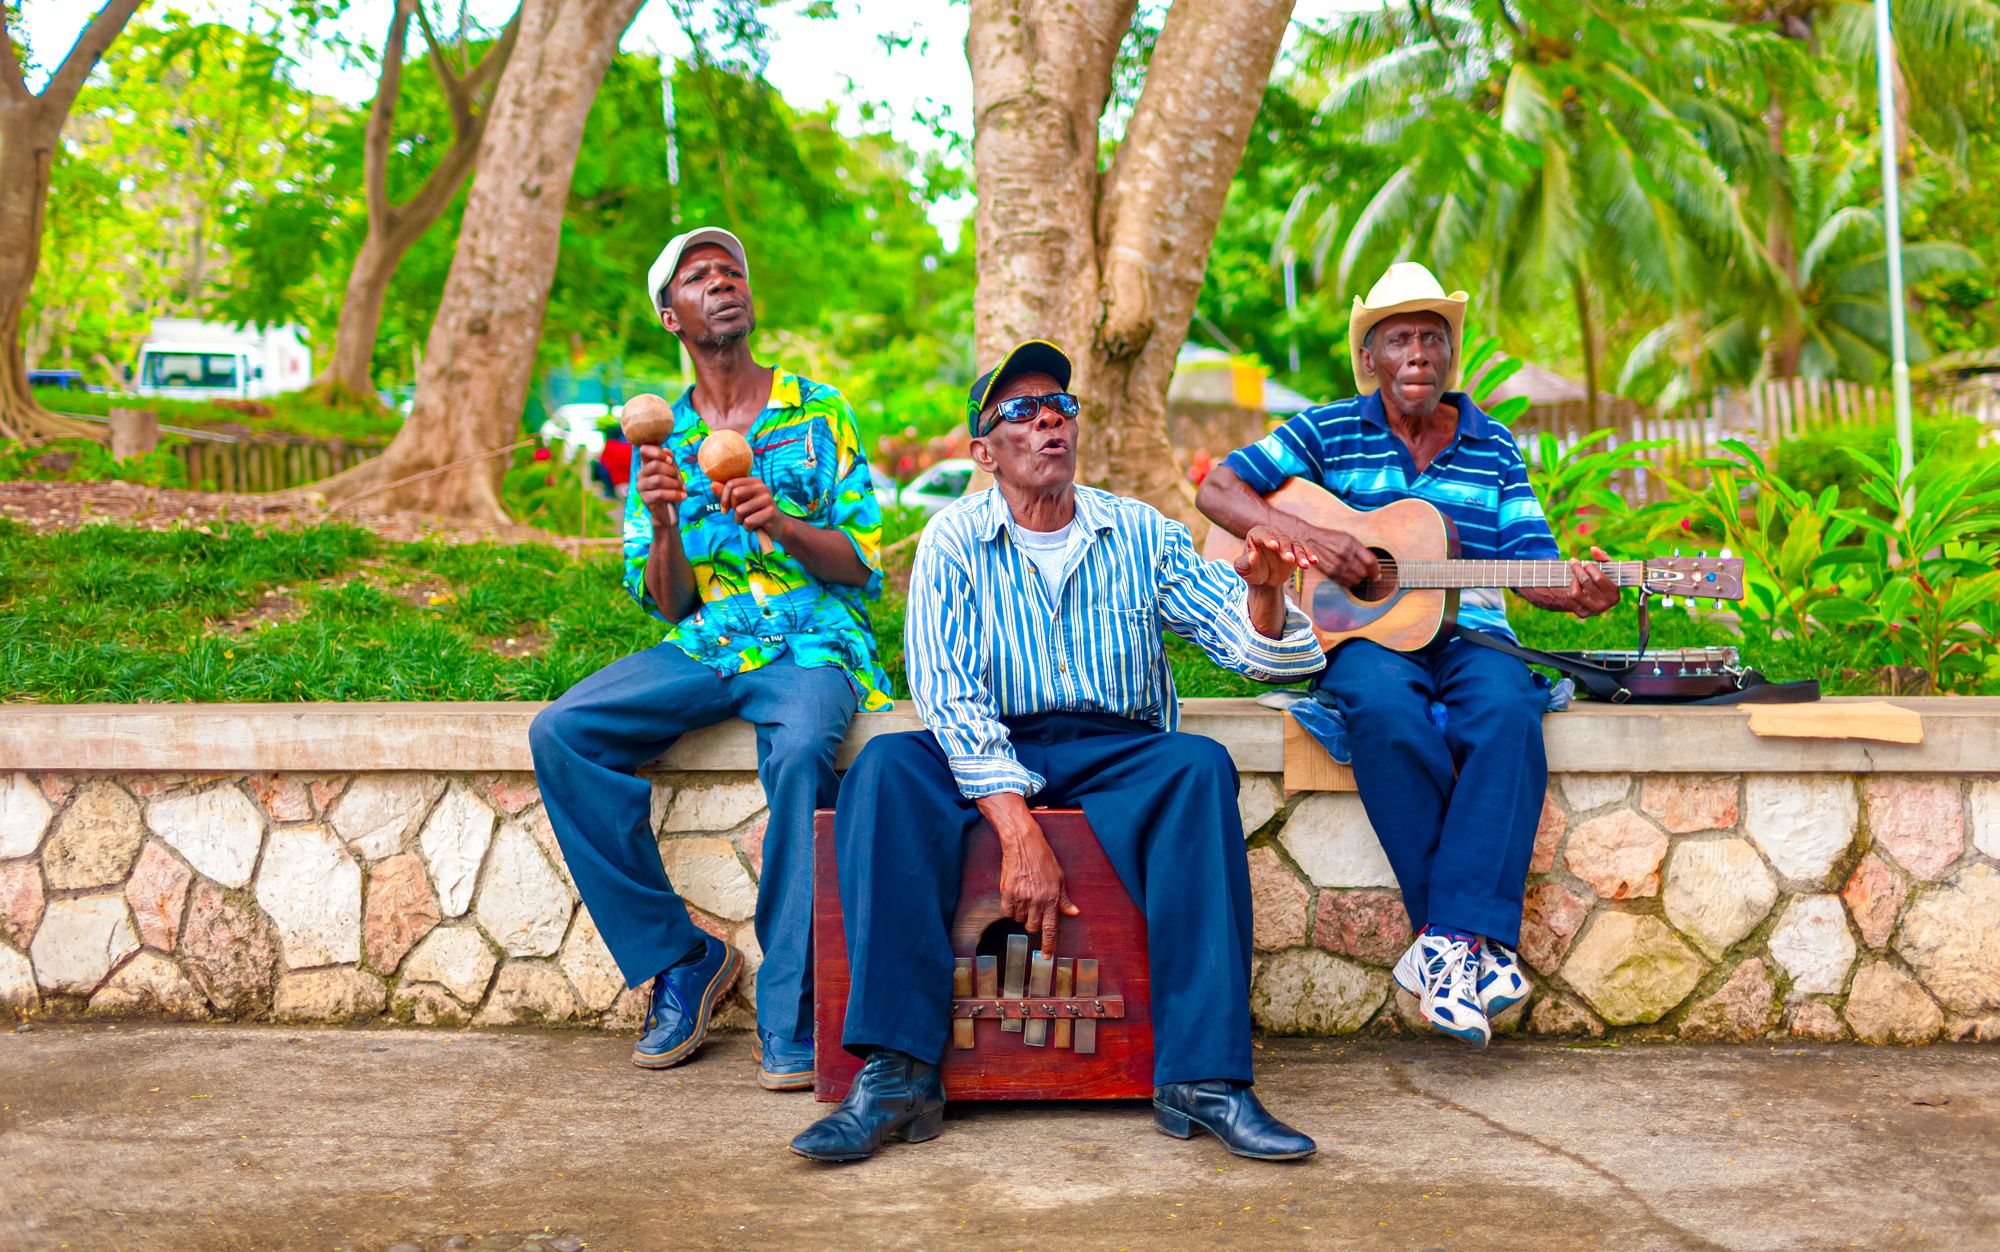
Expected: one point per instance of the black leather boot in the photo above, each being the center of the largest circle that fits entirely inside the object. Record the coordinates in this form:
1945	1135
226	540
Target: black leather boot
894	1094
1231	1112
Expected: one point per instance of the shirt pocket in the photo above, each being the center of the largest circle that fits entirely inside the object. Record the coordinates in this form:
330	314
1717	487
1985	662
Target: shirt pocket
1129	634
796	469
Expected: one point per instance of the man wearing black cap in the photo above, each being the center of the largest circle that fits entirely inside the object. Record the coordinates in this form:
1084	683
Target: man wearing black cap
1034	654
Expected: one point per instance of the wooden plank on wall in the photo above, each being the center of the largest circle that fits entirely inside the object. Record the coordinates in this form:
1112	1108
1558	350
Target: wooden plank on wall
1307	765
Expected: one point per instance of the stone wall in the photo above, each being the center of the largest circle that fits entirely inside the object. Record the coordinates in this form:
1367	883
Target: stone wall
1808	903
1700	907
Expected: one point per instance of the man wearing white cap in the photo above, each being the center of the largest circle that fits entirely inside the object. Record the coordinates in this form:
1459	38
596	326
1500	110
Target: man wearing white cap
764	582
1455	805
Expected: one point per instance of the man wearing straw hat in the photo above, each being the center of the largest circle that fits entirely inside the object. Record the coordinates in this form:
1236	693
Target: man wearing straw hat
777	636
1454	799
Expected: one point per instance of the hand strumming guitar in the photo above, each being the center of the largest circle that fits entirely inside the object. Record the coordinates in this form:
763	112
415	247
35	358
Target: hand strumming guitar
1342	557
1589	593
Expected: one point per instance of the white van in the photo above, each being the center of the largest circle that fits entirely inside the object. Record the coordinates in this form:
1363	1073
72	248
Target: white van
188	359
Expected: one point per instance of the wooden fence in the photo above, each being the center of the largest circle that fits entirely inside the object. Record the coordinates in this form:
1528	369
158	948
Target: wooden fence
1763	417
265	462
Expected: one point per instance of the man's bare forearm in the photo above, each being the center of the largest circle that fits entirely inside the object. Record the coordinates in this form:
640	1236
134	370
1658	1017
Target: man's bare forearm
669	577
1229	502
1266	610
828	555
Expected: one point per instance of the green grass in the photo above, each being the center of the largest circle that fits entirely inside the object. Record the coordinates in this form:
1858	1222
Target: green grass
233	613
229	612
110	614
290	414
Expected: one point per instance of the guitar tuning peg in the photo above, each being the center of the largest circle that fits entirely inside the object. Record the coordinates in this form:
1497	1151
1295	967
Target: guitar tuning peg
1666	602
1704	554
1677	551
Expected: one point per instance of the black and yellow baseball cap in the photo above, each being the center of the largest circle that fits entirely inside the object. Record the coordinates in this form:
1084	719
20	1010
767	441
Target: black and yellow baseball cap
1033	355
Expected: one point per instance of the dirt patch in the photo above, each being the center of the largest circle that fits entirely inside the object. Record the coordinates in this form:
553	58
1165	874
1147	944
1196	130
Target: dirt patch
48	507
275	606
517	646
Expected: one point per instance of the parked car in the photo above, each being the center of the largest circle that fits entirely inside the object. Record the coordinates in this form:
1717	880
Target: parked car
938	486
66	380
190	359
580	425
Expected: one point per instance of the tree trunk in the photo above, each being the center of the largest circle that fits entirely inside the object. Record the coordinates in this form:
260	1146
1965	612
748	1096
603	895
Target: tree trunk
349	373
1789	344
1108	266
480	354
1588	332
30	128
394	229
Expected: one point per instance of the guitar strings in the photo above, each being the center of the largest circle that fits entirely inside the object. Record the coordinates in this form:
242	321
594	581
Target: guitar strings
1618	570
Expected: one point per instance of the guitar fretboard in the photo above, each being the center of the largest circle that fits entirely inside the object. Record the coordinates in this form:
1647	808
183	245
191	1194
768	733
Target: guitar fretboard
1456	573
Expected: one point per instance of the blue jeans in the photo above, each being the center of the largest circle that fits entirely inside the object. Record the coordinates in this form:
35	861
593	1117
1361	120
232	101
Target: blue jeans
587	748
1456	809
1163	808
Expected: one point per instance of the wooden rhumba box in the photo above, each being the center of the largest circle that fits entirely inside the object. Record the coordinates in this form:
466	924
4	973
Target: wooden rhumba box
1078	1027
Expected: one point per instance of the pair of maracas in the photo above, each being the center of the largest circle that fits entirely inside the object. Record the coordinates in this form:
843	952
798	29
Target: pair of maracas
725	455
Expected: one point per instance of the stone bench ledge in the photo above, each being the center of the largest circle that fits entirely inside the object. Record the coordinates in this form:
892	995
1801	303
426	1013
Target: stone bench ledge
1960	736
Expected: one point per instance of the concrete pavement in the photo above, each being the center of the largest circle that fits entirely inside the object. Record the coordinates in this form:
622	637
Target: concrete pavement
173	1137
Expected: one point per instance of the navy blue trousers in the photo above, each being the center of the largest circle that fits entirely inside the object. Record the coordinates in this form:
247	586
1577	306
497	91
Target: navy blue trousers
587	748
1459	844
1163	806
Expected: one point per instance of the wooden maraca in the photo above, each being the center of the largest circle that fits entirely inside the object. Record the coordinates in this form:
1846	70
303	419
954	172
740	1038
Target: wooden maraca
647	420
723	456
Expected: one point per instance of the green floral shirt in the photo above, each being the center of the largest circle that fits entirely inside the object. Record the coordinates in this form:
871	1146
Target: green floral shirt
757	605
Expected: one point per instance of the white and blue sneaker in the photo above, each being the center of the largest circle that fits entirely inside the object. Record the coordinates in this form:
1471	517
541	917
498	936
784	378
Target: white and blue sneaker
1443	973
1501	983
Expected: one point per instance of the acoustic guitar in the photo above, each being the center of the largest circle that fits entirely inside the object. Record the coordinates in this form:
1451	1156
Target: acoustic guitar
1413	599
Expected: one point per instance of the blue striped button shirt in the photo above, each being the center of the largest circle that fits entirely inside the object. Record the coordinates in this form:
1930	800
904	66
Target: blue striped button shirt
984	640
1479	481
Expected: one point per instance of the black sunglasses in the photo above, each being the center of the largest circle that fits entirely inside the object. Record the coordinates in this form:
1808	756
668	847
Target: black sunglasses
1027	408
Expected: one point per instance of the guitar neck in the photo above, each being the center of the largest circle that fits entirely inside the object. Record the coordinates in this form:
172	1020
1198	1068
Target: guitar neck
1457	573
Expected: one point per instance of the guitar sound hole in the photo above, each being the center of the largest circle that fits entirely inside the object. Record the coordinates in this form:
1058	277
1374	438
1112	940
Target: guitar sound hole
1382	585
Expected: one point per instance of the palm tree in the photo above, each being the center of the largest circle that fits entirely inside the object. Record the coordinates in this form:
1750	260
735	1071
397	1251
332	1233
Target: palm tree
1576	150
1835	308
1945	51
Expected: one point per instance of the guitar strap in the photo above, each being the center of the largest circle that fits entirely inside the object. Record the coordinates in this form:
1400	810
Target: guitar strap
1606	683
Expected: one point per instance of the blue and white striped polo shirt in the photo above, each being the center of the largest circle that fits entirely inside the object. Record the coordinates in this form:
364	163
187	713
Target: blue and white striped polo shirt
984	638
1479	481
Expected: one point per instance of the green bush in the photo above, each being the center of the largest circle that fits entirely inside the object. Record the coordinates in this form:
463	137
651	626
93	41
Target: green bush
1820	458
294	413
541	488
85	461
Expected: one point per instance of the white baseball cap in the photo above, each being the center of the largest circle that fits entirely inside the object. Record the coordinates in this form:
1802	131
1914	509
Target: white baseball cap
669	259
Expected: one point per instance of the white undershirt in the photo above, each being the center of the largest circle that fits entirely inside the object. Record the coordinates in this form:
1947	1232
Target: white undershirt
1049	550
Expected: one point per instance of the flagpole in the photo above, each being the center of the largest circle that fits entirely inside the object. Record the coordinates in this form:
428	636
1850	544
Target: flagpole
1892	221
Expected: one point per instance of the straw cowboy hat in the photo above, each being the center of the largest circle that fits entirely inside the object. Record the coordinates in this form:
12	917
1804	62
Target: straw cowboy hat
1406	287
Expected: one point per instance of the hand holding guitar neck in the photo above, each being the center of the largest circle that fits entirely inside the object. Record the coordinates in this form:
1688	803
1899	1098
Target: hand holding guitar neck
725	457
647	421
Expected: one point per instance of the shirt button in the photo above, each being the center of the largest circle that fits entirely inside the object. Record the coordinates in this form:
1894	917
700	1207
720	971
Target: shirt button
1062	669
